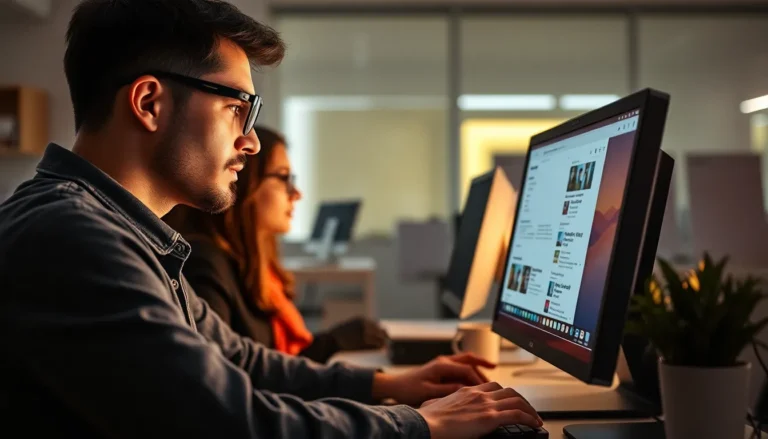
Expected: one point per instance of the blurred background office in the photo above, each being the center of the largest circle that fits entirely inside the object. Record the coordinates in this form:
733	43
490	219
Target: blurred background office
398	104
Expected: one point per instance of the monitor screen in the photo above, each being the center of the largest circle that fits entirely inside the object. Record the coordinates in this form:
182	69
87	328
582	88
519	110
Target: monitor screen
463	252
563	241
345	212
480	247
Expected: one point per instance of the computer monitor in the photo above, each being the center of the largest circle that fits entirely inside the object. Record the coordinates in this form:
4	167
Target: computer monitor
478	252
333	227
477	259
584	227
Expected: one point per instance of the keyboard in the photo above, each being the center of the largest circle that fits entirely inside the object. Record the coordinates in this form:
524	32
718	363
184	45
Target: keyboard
518	431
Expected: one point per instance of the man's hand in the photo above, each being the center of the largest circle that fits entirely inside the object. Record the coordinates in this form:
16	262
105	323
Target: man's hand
438	378
476	411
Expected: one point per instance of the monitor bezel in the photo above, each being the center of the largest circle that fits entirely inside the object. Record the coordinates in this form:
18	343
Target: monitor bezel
453	302
325	206
653	107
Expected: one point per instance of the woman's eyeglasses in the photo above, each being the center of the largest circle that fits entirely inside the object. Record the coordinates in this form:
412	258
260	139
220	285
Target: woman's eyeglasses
288	179
255	101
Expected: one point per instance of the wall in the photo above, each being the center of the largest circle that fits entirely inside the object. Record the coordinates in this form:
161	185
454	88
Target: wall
554	3
33	8
388	158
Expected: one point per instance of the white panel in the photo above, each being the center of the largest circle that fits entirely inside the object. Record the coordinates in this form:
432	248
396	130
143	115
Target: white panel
727	214
35	8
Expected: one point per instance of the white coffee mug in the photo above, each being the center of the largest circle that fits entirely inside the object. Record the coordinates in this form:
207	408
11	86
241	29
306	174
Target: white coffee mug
477	338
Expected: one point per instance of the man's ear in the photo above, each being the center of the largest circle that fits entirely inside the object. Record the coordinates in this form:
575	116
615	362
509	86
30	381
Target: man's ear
148	100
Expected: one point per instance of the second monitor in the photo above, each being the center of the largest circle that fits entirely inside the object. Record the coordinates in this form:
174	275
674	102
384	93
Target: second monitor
332	230
478	253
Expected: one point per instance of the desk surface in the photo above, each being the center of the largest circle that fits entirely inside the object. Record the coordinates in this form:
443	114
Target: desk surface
343	264
539	378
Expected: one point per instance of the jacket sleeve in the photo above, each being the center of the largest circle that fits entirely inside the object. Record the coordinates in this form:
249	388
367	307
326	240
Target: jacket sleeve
98	328
277	372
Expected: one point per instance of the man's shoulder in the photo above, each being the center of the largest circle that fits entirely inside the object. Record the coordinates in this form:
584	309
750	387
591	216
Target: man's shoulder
43	212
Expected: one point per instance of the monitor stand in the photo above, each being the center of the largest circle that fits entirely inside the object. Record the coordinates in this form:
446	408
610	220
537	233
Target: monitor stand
636	372
620	403
325	250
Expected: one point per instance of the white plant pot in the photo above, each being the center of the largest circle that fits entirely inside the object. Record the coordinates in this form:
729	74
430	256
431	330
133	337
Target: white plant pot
704	403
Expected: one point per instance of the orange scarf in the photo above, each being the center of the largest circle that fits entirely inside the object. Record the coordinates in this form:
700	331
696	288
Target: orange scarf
289	332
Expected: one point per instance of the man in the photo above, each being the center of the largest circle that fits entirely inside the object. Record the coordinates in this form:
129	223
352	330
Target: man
101	334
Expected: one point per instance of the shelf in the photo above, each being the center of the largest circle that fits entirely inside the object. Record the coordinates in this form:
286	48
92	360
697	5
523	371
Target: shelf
27	108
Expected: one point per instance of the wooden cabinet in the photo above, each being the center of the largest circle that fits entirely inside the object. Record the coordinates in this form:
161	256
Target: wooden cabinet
23	120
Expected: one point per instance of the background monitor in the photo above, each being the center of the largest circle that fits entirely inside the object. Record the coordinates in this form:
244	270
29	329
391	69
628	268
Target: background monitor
480	246
578	234
342	216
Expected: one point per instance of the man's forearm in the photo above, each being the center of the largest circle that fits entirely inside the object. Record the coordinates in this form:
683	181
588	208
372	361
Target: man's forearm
276	372
383	386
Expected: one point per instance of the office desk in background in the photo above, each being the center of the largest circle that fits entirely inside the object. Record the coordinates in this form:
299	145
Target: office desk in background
359	271
541	378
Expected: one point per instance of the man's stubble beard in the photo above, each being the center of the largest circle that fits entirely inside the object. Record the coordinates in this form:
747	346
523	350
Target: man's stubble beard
174	166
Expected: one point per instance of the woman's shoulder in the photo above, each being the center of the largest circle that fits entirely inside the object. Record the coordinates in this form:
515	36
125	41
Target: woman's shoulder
208	260
206	249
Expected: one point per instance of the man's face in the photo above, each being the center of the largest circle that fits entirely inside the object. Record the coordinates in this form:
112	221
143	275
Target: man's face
203	147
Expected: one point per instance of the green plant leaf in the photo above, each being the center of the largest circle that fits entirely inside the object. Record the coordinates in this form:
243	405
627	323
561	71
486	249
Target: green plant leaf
759	325
710	285
740	306
683	301
707	323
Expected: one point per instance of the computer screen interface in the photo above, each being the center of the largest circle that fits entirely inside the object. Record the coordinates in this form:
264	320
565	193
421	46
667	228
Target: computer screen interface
564	237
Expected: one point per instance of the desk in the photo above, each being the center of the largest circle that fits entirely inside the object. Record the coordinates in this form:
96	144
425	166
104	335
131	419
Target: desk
553	383
346	270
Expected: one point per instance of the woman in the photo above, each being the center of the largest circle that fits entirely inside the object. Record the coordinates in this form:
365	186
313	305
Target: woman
235	264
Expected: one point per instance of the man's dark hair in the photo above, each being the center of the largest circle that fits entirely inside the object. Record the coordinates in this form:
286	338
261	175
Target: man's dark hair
112	42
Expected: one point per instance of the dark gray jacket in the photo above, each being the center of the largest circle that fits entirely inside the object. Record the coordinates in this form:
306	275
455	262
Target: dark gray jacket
101	335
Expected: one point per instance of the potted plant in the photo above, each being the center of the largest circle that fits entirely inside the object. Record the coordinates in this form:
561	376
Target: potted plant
699	324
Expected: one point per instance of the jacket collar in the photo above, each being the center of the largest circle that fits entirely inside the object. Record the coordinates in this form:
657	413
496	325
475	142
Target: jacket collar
60	162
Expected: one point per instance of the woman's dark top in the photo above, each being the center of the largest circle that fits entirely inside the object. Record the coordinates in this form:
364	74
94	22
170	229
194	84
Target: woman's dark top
214	276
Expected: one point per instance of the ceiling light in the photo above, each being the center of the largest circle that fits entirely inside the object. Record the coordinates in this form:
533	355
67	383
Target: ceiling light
507	102
585	102
756	104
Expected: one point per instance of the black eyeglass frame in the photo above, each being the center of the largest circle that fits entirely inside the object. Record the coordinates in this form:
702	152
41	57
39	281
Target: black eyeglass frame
288	179
254	100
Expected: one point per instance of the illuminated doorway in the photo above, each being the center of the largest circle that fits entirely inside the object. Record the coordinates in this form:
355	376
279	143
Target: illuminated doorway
482	140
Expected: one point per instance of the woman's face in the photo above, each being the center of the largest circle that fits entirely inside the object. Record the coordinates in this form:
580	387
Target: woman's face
275	196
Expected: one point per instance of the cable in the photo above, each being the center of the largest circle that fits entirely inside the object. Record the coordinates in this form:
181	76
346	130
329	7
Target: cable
757	425
759	358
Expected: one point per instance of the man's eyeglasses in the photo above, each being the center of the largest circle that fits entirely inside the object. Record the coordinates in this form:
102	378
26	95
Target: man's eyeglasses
220	90
288	179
